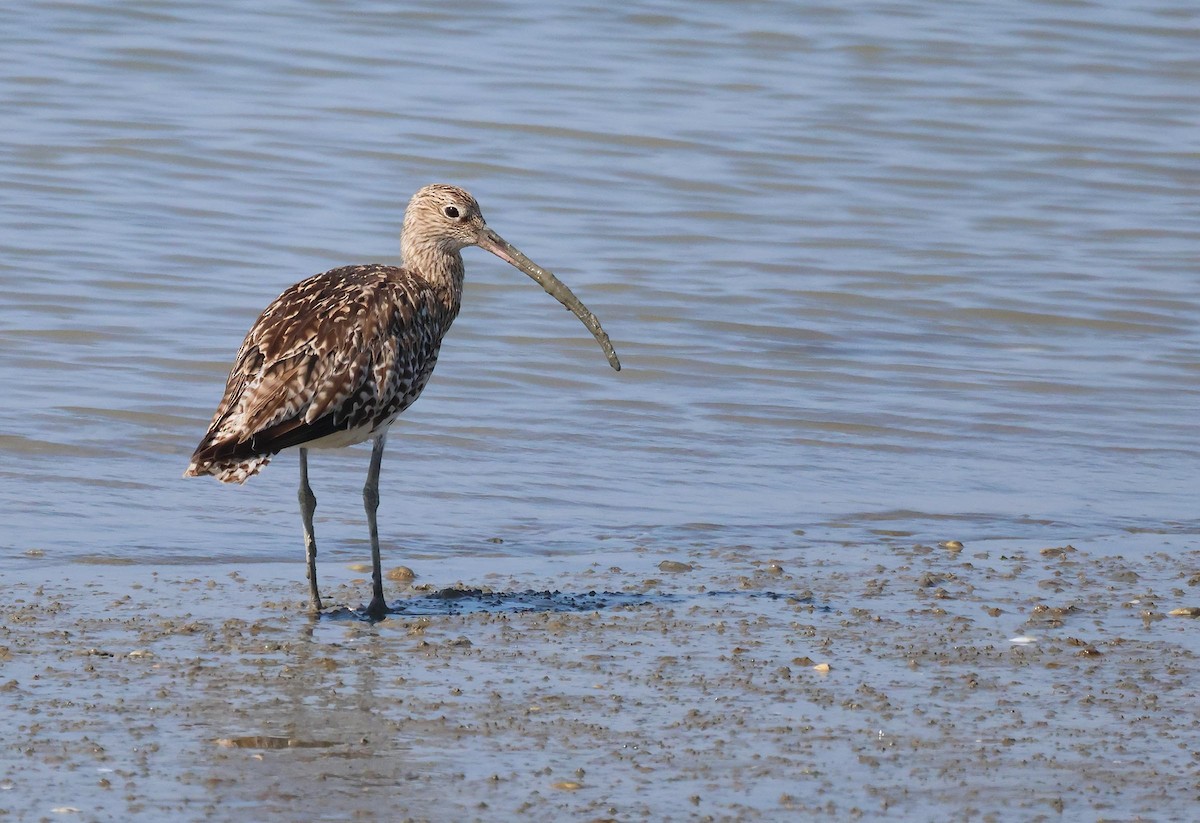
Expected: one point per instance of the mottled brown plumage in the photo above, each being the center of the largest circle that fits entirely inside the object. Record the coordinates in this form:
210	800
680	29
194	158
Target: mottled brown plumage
337	357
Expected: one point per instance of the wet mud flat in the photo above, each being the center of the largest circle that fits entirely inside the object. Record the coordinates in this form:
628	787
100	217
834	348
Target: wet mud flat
905	680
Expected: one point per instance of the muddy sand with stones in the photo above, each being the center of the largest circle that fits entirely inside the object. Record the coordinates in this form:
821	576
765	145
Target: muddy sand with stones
902	680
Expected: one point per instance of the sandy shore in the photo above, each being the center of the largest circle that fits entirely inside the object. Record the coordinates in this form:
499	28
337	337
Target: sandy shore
903	681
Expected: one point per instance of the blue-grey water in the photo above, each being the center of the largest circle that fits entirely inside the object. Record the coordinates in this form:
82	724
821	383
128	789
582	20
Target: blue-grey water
923	268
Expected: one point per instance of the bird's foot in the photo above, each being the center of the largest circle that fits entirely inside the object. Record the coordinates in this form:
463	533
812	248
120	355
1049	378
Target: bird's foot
377	610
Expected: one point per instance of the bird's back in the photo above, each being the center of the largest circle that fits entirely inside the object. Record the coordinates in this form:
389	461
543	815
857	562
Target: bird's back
330	361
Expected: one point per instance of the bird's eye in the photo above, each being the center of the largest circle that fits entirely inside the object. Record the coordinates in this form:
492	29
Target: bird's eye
451	211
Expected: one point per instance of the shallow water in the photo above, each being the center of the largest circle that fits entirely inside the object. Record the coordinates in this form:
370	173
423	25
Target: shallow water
866	268
874	272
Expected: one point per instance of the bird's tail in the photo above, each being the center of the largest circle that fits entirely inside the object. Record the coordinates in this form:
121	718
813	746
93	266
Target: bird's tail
228	469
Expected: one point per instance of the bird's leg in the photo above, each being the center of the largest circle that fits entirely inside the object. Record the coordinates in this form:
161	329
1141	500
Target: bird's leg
308	504
378	607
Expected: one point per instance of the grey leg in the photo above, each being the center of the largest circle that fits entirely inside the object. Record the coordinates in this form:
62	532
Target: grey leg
308	504
378	607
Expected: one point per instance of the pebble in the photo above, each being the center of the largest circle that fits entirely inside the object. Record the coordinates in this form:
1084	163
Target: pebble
401	574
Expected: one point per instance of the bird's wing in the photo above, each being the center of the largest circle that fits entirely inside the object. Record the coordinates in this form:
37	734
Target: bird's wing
310	366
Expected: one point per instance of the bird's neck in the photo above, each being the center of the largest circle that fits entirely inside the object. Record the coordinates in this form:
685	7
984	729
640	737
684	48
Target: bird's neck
434	264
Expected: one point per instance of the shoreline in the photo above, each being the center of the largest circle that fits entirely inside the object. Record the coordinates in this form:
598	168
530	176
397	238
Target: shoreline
696	693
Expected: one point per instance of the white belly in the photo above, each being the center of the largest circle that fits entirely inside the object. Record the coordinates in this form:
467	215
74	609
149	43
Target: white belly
349	437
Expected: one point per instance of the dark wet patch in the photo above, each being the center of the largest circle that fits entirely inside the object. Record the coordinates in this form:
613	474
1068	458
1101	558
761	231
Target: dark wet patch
477	601
454	601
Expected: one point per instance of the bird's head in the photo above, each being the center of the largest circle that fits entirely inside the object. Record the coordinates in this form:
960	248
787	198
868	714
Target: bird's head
442	220
444	217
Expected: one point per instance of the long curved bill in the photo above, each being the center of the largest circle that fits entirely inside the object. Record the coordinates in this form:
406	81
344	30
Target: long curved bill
497	245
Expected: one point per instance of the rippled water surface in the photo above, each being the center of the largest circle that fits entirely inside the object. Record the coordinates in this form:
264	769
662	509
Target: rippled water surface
923	268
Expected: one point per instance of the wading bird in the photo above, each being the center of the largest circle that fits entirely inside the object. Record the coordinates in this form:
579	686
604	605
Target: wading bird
337	357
